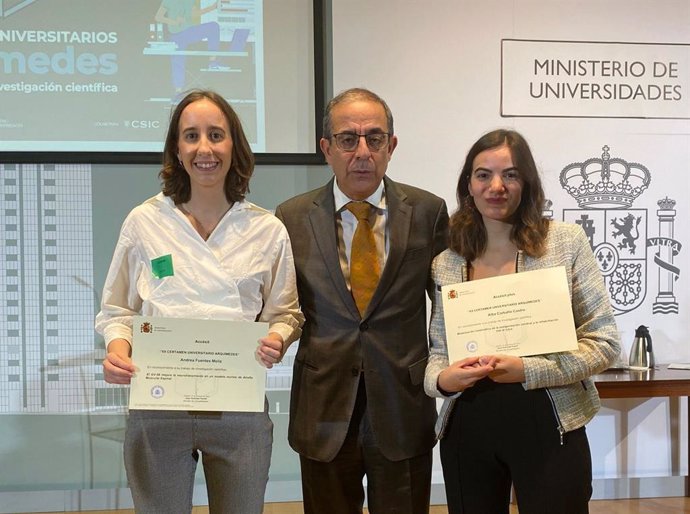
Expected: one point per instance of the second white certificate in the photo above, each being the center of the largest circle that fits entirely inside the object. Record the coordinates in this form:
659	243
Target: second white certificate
197	365
520	314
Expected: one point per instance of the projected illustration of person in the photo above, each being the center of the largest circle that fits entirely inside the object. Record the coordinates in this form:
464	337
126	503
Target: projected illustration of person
182	19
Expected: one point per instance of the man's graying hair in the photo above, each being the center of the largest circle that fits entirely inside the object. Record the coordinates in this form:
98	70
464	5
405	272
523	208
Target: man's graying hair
351	95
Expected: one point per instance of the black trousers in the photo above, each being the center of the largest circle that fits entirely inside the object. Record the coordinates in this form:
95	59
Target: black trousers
393	487
501	435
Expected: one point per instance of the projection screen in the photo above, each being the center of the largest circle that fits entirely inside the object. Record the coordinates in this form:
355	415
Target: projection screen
96	80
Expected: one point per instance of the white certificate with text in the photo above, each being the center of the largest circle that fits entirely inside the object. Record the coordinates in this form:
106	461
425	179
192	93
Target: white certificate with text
197	365
520	314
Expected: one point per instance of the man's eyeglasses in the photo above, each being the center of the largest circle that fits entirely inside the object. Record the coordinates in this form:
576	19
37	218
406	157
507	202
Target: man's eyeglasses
348	141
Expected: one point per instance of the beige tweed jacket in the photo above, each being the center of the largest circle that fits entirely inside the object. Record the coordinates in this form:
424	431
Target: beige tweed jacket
565	375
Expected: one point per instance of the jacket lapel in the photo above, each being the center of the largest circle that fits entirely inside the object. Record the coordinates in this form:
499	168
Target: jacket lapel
323	225
399	221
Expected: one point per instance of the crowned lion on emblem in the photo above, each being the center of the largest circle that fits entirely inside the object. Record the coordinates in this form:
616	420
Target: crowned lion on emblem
628	229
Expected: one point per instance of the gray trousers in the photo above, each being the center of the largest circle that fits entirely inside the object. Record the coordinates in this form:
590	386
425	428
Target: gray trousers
162	449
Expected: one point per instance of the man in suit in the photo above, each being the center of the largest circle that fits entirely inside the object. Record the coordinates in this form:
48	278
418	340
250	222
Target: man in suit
358	405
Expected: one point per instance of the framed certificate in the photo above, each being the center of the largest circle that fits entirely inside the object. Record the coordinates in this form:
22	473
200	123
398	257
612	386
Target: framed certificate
528	313
192	364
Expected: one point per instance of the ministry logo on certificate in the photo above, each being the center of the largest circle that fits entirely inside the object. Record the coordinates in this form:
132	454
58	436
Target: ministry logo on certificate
528	313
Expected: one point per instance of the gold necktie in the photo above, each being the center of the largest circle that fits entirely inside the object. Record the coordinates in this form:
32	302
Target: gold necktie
365	270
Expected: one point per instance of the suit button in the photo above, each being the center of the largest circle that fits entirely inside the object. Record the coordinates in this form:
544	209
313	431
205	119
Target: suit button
363	327
355	372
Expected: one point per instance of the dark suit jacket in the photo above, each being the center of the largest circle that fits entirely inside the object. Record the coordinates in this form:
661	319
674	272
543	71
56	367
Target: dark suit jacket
388	345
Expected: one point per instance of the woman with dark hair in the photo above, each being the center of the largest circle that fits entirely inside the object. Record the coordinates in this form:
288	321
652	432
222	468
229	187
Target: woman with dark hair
229	259
510	420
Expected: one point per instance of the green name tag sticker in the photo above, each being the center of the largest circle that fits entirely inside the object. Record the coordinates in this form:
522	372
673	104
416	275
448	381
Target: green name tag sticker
162	266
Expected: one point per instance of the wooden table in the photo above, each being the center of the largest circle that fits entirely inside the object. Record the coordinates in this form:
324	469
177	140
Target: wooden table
659	382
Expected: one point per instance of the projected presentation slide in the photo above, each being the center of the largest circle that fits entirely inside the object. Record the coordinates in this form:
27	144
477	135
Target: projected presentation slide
103	76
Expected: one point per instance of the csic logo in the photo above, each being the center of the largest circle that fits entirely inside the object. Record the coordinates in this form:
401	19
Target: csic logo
146	328
605	189
143	124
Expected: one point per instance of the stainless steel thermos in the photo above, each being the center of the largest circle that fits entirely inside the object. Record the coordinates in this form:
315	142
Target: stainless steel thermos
641	353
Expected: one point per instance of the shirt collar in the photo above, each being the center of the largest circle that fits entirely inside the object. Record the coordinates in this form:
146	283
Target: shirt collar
237	206
377	198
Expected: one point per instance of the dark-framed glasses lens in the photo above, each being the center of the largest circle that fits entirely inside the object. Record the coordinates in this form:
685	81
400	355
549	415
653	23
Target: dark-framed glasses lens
376	141
348	142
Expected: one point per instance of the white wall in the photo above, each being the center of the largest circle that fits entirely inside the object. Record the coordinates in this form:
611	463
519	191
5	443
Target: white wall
438	65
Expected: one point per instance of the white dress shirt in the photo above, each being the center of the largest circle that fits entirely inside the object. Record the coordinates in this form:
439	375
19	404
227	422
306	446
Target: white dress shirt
244	271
